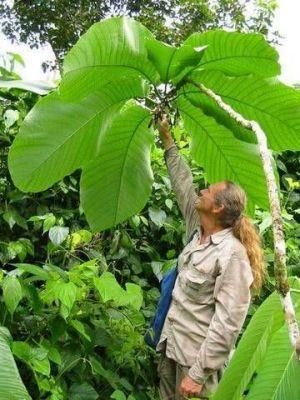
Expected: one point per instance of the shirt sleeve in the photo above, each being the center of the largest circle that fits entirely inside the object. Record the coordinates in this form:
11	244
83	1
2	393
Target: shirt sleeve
232	297
182	184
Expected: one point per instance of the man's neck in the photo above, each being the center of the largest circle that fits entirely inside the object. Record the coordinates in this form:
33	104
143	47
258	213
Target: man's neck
209	227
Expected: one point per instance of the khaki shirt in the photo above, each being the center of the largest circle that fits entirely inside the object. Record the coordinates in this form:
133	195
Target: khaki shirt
211	296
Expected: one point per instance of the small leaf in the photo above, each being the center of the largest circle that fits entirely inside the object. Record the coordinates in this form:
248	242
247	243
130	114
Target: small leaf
10	117
12	292
144	220
157	216
266	222
80	237
67	294
86	236
135	295
22	350
135	220
48	223
41	366
8	217
53	353
83	391
79	326
39	360
118	395
33	269
57	234
109	289
12	217
169	203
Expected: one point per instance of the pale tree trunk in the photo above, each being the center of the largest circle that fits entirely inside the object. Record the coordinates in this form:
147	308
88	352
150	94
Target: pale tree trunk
280	271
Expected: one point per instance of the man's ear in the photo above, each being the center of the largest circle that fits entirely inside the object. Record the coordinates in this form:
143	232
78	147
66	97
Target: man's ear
217	210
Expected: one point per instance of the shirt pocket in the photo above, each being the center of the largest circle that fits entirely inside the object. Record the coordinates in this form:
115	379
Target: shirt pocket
198	287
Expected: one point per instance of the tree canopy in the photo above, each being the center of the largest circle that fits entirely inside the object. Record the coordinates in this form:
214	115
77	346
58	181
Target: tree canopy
62	22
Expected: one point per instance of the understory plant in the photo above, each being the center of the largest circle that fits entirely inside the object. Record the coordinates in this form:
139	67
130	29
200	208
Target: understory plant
116	80
77	334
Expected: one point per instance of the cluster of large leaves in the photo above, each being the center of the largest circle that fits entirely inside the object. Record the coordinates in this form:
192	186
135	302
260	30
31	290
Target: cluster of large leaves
92	122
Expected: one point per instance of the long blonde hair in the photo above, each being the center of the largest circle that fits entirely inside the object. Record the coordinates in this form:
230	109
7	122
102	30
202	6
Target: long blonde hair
234	200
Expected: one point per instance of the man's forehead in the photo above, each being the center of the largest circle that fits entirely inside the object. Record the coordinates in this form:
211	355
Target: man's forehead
218	186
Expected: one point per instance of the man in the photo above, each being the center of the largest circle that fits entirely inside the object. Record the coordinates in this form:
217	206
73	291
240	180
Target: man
216	271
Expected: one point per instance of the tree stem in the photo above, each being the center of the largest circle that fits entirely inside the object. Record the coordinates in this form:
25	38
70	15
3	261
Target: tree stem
280	270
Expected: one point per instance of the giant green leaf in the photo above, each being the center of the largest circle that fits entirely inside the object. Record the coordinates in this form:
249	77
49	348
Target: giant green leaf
275	106
11	385
171	61
222	155
236	53
118	182
278	375
251	350
210	108
64	130
113	43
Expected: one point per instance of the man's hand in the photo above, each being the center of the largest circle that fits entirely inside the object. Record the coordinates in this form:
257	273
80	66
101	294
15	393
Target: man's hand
190	388
164	131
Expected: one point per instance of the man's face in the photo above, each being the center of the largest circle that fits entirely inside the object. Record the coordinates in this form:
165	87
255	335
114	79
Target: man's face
206	199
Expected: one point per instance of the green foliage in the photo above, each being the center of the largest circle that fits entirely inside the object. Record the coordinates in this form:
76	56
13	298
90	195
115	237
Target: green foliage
113	80
133	252
78	328
75	328
101	348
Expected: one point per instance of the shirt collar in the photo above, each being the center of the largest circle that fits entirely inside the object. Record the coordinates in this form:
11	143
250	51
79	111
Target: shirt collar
218	237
